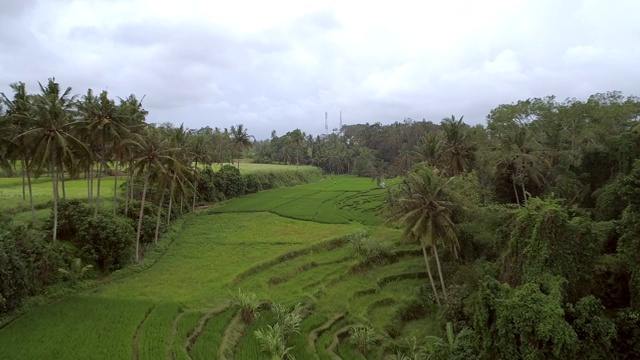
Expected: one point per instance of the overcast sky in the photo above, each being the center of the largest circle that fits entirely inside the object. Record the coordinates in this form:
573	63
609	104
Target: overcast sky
279	65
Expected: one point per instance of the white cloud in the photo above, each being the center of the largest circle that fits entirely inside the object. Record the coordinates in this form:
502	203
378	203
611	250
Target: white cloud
282	64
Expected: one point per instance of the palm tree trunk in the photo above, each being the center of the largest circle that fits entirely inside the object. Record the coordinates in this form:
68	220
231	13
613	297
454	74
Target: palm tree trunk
170	204
64	188
54	176
195	184
515	190
144	195
24	192
91	182
431	281
115	188
95	211
140	216
155	240
524	194
181	203
33	210
435	252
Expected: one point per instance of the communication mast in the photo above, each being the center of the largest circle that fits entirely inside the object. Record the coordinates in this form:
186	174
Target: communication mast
326	124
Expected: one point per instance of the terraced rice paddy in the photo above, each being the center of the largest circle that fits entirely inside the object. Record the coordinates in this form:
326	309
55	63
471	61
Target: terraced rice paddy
286	245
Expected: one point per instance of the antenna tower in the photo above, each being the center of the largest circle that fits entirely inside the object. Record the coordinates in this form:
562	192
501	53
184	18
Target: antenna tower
326	123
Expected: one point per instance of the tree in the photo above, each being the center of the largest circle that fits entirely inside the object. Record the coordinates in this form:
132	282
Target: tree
458	150
51	138
104	126
240	139
18	119
425	208
149	164
296	139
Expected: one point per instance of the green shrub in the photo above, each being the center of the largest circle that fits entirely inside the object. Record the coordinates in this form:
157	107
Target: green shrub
148	231
71	215
28	263
371	251
229	182
108	240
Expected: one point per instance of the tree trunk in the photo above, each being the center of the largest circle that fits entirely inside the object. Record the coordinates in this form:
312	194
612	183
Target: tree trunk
54	180
524	194
24	192
97	207
195	187
115	188
155	240
64	188
33	210
433	283
181	203
144	195
170	202
91	182
444	289
515	190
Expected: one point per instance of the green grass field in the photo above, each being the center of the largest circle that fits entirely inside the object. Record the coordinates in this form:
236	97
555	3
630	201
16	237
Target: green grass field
280	244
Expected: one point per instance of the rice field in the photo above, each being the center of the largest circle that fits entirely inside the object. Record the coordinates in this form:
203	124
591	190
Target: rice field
286	245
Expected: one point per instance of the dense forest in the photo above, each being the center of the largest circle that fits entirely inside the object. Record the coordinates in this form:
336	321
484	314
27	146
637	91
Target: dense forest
528	225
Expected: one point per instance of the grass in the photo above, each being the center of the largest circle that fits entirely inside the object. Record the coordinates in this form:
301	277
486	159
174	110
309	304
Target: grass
207	345
285	254
335	200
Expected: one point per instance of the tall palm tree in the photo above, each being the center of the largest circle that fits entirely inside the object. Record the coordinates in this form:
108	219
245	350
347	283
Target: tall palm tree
430	149
241	140
296	139
458	149
133	116
150	164
51	138
519	155
104	126
425	208
19	118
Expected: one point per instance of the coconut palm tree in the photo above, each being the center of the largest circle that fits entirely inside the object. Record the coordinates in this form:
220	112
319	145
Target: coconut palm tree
51	138
458	150
153	162
132	115
105	128
241	140
296	139
425	208
18	119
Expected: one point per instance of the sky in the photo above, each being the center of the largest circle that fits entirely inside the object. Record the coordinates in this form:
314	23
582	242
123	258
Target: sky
280	65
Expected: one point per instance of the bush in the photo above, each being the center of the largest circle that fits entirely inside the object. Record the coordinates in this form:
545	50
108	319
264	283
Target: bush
371	251
229	182
108	240
71	215
206	186
28	263
148	230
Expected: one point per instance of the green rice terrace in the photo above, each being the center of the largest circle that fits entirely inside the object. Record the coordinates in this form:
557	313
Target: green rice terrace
288	246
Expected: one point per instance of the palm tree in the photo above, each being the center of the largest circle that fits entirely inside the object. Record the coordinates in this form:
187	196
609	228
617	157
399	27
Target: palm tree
296	139
132	115
105	128
458	149
430	149
425	208
51	138
19	118
518	154
240	139
152	163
